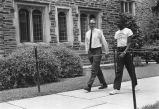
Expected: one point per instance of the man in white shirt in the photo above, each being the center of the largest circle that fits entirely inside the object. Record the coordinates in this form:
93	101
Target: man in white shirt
95	43
124	39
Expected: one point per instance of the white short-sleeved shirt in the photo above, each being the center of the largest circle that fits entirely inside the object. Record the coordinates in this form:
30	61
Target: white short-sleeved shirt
122	36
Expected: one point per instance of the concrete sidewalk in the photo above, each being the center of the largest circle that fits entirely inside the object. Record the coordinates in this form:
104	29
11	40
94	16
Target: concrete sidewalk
148	93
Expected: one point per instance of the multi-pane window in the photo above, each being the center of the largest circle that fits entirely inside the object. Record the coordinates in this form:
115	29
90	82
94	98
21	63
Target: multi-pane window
84	26
28	21
62	27
127	7
37	26
84	23
24	25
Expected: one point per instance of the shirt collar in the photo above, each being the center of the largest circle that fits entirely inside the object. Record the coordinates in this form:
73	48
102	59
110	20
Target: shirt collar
93	29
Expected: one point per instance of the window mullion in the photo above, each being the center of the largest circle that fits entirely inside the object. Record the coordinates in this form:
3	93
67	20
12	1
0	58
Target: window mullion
124	7
128	7
31	26
88	21
133	8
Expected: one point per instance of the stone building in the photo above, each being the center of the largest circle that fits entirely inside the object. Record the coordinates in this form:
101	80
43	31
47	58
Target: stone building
64	21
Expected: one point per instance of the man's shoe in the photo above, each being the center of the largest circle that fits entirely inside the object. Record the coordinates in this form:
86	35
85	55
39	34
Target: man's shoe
88	89
103	86
115	91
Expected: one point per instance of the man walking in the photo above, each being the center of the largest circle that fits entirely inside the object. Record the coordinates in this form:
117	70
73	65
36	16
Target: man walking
95	42
124	38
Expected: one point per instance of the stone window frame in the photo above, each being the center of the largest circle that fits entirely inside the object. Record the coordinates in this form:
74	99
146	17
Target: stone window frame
69	23
89	11
126	5
44	8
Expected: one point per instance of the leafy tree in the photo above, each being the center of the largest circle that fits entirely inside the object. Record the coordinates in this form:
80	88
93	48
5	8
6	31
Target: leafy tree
130	22
153	33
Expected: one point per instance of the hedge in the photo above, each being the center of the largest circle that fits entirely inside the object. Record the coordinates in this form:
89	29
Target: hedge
70	62
18	69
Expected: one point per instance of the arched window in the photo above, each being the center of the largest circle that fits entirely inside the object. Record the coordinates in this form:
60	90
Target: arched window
37	26
24	25
84	26
62	27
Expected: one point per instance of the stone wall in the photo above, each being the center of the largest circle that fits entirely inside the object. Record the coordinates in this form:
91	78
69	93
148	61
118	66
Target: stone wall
9	29
109	8
8	42
1	29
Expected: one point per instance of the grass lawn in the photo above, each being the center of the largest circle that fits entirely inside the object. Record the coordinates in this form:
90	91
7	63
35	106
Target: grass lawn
69	84
154	106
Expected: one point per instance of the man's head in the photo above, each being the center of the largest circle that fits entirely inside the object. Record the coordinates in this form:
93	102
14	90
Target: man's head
122	22
121	25
92	24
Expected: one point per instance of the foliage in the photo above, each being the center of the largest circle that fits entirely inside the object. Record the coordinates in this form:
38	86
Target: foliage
130	22
156	7
70	62
151	39
152	53
18	69
153	36
137	61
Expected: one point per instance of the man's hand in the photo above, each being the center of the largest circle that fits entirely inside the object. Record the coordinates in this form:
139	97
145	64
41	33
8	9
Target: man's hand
122	55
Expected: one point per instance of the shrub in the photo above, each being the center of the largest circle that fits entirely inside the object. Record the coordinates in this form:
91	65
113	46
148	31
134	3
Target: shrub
156	55
152	54
137	61
19	68
70	62
152	31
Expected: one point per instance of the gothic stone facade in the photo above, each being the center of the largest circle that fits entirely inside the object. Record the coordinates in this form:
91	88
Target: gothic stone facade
64	21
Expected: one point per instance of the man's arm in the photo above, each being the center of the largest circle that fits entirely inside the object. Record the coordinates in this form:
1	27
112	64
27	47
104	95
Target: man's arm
86	43
104	43
129	42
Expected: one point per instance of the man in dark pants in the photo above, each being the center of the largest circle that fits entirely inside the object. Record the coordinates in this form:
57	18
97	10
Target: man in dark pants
94	43
124	38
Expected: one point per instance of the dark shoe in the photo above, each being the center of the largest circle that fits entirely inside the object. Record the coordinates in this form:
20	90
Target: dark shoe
88	89
103	86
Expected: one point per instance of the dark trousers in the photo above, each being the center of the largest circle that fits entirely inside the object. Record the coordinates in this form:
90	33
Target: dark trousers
128	62
94	57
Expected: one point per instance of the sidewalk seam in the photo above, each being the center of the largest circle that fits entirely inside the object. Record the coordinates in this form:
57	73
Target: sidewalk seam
94	105
73	97
16	105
